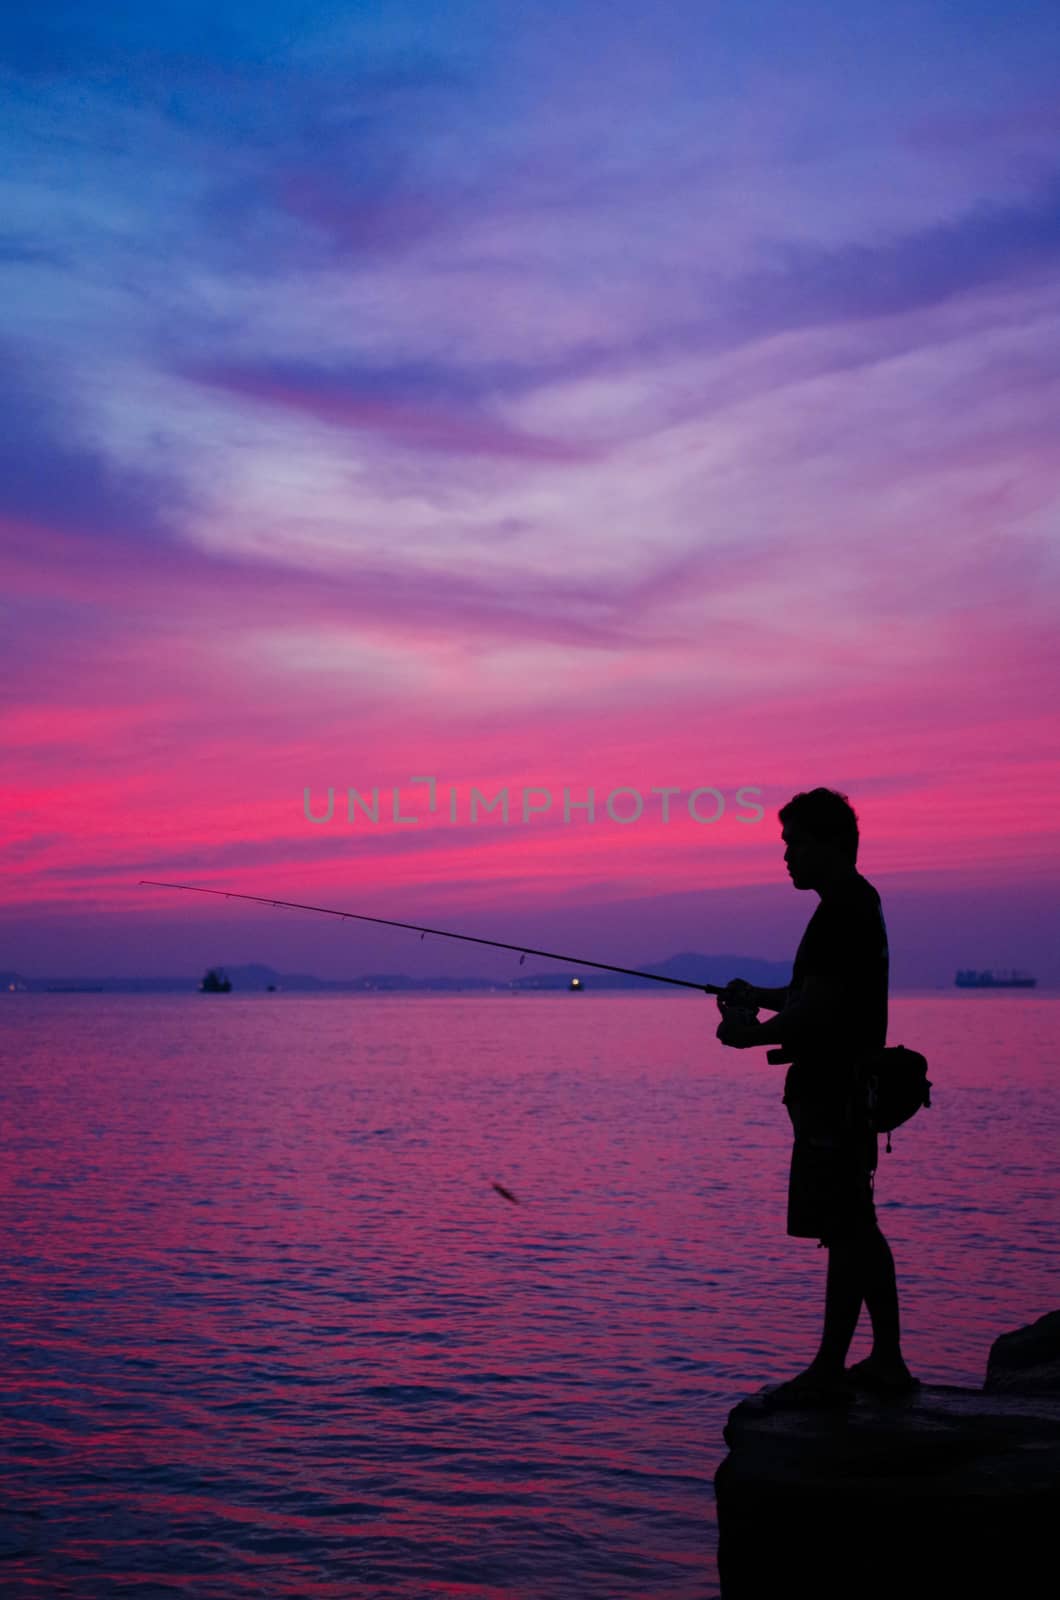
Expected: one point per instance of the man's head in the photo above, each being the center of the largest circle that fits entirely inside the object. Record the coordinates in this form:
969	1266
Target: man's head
820	834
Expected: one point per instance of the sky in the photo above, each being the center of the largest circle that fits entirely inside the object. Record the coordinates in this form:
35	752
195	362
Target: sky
554	397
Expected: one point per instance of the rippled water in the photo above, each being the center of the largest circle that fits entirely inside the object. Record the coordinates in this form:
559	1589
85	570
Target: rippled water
268	1330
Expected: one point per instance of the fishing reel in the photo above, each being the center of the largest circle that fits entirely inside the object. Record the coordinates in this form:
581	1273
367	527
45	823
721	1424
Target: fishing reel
748	1014
744	1015
738	1008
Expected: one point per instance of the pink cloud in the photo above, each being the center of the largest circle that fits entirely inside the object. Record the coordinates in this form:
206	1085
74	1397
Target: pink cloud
414	427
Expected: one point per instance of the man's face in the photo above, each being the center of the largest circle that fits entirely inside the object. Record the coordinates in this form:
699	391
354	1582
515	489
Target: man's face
804	857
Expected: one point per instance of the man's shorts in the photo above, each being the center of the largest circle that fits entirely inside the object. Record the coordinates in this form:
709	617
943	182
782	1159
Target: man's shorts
830	1187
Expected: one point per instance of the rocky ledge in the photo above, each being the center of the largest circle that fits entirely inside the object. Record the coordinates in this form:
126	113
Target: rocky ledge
943	1492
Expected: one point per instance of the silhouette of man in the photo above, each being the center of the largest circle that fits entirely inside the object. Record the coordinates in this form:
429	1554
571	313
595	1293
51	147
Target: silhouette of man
830	1019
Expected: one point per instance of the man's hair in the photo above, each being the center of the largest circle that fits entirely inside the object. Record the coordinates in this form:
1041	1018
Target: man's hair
824	814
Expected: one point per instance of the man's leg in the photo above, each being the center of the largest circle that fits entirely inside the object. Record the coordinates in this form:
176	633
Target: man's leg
881	1296
842	1303
860	1268
842	1307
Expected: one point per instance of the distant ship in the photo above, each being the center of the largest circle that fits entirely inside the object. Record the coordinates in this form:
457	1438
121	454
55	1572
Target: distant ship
969	979
215	982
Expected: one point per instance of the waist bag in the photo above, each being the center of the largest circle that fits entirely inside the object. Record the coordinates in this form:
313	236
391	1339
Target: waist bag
898	1085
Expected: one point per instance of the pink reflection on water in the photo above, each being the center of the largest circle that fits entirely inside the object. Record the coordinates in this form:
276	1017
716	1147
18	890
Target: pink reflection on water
262	1296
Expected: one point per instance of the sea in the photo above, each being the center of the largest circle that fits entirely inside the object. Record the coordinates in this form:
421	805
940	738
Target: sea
268	1329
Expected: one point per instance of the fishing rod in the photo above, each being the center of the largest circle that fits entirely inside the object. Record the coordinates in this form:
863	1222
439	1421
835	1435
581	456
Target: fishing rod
441	933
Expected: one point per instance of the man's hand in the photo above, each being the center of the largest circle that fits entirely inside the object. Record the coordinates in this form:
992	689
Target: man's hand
738	1027
738	992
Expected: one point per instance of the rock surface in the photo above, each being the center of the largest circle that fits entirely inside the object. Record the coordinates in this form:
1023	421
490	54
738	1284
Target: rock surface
945	1492
1027	1361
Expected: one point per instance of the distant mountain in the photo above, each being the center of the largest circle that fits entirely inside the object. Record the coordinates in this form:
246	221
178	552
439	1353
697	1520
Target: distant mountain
689	966
721	969
257	976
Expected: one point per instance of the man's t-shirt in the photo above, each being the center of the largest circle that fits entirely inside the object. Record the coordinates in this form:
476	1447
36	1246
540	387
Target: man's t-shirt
845	943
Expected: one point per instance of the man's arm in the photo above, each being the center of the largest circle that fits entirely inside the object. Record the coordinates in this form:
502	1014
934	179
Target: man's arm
803	1015
741	993
771	999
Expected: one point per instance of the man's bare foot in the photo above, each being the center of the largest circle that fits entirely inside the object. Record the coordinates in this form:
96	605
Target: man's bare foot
888	1375
818	1388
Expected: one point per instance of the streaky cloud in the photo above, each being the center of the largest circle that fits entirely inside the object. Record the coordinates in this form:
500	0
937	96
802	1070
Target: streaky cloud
51	474
388	404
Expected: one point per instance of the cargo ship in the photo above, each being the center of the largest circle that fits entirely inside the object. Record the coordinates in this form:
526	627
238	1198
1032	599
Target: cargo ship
969	979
